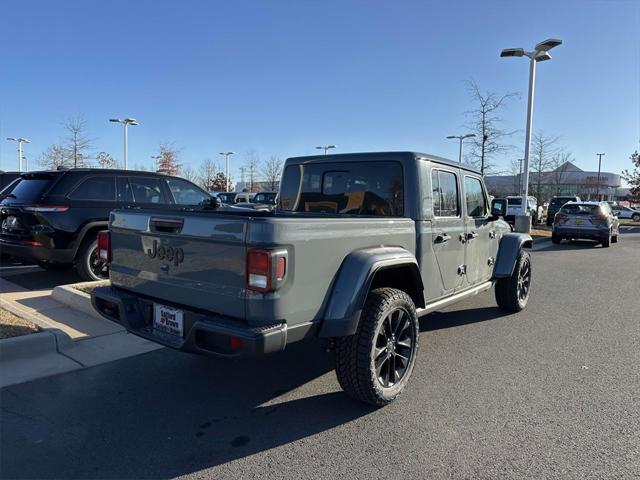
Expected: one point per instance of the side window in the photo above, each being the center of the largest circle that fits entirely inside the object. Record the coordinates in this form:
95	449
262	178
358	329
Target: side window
185	193
99	188
445	193
474	197
146	189
124	190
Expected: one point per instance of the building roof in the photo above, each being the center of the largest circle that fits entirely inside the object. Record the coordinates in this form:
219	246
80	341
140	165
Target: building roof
568	167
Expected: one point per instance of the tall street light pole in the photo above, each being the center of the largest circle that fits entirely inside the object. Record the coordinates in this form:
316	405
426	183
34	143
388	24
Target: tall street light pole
540	53
461	138
20	141
599	165
126	122
226	175
325	148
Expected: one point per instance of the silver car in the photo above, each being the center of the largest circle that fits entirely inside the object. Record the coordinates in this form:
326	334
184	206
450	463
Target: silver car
586	220
626	212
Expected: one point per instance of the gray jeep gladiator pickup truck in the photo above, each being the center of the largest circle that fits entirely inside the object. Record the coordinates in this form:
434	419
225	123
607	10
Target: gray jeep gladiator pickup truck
358	248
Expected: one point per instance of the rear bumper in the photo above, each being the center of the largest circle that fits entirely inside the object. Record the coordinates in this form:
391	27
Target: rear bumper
586	233
36	253
204	333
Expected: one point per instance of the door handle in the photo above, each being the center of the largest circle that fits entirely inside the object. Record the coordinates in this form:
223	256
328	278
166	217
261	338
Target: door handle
442	238
472	235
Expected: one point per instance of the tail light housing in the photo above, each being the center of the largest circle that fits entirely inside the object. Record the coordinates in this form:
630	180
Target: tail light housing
560	217
598	219
104	246
266	269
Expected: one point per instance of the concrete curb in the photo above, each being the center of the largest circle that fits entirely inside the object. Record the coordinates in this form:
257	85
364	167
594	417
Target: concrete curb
72	297
32	345
11	306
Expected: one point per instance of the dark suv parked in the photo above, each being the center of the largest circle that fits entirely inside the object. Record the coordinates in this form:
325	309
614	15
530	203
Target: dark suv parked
53	217
556	204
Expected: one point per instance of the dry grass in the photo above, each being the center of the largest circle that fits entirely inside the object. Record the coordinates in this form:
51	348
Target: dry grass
541	232
88	286
13	326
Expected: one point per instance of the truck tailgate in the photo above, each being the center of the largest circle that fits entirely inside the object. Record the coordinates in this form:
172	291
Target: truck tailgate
186	259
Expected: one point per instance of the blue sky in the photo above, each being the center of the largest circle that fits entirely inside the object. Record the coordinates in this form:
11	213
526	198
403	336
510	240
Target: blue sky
280	77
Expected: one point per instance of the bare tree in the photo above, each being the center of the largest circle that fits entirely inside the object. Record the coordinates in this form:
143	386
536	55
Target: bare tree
542	151
104	160
207	174
252	163
515	170
559	168
76	142
272	170
484	121
632	177
189	173
168	164
55	156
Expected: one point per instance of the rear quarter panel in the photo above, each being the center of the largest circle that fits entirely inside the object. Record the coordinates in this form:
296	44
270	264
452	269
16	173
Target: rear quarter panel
317	247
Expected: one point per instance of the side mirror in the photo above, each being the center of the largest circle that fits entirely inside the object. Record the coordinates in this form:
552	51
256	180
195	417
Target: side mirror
498	208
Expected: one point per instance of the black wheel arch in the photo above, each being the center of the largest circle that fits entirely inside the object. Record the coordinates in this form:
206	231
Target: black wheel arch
89	229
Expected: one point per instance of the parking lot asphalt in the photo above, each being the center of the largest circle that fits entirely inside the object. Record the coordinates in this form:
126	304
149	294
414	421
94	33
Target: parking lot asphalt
551	392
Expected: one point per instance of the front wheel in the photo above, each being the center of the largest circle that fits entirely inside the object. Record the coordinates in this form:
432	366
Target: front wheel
88	265
374	365
512	293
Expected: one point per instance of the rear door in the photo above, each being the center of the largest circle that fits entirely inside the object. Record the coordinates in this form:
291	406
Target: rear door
481	246
448	233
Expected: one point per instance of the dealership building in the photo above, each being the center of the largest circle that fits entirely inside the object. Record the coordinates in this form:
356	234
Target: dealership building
567	180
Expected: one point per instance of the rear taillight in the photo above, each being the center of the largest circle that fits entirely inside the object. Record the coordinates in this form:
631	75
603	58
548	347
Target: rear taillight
596	219
104	246
560	217
45	208
266	269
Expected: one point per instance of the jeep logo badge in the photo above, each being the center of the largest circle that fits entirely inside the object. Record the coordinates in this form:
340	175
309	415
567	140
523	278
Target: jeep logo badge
174	255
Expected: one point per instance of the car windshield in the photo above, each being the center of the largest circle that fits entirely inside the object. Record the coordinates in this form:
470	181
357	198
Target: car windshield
514	201
581	209
28	189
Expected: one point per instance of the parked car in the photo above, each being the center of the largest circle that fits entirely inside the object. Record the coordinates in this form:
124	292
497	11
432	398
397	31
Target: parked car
243	197
514	207
53	217
586	220
265	198
556	204
359	247
626	212
227	198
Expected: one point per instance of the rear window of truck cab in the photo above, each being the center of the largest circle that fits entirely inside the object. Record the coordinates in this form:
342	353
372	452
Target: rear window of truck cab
344	188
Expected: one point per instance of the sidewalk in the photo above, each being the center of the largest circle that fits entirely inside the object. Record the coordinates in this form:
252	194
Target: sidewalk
92	340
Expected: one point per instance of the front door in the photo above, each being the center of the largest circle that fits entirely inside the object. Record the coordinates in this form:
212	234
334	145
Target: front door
448	232
482	244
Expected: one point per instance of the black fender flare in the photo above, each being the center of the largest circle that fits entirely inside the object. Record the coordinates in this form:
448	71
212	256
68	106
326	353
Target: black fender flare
353	282
508	251
101	225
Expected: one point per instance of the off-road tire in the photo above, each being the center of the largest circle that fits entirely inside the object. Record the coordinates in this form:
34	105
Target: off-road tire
556	239
355	354
614	238
83	260
508	290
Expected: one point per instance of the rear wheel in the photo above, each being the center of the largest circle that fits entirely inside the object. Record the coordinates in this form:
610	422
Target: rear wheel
374	365
606	241
556	239
88	265
512	293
